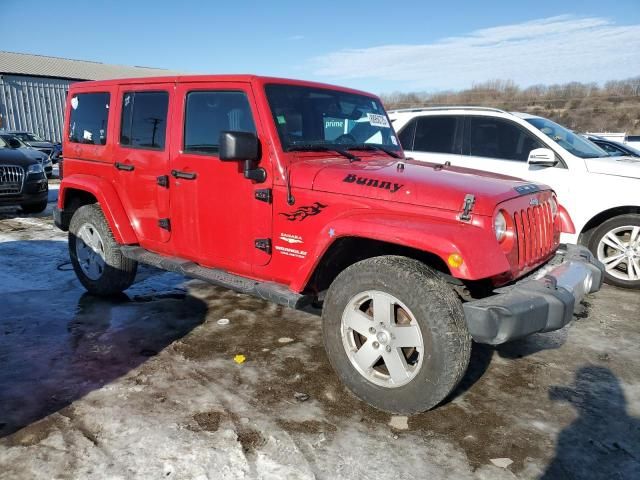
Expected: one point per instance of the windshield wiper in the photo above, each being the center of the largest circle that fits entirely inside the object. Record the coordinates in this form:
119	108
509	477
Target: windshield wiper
377	148
322	148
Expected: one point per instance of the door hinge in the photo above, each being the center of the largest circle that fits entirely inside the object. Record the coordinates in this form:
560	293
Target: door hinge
263	244
264	195
165	224
163	181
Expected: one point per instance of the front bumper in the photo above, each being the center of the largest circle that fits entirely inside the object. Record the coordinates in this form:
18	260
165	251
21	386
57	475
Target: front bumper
543	302
35	190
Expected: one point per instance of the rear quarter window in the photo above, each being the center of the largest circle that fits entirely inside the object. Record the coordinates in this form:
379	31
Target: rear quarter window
88	118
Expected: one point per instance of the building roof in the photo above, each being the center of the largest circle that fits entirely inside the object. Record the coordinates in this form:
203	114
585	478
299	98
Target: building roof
43	66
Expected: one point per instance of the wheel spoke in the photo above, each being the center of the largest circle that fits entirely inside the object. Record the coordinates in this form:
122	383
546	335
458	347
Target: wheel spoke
358	321
633	268
613	261
383	309
407	336
635	236
612	240
396	365
367	356
92	269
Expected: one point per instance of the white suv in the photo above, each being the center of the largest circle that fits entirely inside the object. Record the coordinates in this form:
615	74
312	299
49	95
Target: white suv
601	193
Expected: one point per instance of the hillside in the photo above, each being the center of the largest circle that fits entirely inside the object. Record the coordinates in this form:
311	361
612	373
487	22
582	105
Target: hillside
612	107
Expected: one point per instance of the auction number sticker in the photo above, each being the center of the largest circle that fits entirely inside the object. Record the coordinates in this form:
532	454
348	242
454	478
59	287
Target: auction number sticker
378	120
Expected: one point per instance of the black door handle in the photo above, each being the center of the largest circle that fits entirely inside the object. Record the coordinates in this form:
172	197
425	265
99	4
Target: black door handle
124	166
183	175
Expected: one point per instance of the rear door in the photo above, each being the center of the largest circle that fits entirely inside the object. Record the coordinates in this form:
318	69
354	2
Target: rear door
141	159
433	138
217	215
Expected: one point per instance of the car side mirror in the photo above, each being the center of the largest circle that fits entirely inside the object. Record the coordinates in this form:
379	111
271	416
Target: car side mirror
543	157
243	146
14	143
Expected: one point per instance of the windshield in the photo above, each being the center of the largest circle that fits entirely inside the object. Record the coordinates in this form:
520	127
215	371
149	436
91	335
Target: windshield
316	117
29	137
574	144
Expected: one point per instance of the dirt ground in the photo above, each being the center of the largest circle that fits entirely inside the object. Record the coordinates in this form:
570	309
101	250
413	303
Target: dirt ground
146	386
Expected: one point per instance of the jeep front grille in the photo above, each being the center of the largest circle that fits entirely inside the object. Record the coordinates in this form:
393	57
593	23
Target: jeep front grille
536	236
11	179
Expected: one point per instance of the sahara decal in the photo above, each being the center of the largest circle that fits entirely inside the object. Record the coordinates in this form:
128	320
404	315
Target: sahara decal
303	212
372	182
291	238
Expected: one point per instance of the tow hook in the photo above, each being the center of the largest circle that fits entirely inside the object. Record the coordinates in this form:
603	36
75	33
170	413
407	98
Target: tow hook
467	207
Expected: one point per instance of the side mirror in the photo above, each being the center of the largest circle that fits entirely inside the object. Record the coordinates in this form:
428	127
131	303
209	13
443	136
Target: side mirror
239	146
543	157
243	146
14	143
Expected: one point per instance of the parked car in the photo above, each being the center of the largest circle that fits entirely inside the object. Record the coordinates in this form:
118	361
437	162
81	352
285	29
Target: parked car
33	140
615	149
299	193
9	141
22	181
601	193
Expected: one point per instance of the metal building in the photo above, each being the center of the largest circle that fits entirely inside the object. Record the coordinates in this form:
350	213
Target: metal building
33	89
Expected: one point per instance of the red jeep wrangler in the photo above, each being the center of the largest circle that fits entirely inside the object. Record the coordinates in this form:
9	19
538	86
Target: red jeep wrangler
299	193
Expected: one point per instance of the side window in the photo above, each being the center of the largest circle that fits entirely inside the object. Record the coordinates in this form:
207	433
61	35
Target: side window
498	138
88	118
144	119
616	152
209	113
436	134
407	134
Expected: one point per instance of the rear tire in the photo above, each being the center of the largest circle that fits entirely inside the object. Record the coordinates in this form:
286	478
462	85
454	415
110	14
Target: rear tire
35	207
96	256
616	243
424	332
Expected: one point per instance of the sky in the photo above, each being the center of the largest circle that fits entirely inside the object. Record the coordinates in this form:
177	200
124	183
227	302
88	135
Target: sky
378	46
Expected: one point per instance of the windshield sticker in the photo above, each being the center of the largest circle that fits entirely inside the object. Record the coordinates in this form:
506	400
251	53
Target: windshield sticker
281	119
372	182
377	120
74	103
303	212
393	139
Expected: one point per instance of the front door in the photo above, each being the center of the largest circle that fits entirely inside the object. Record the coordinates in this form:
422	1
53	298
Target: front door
141	159
216	216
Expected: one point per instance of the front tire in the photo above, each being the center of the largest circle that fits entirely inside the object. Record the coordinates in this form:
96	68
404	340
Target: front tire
395	334
96	256
616	243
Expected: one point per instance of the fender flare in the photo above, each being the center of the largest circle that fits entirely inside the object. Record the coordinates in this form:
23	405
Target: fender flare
109	201
483	257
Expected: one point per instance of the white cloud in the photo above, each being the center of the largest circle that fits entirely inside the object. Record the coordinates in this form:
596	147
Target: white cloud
551	50
295	37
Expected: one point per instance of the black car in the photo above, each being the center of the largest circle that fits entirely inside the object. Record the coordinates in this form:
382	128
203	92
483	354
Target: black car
33	140
22	182
615	149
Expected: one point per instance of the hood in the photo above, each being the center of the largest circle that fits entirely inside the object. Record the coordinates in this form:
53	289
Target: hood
418	183
618	166
15	157
33	153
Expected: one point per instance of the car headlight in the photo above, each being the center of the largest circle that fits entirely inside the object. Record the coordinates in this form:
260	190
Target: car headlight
500	226
35	168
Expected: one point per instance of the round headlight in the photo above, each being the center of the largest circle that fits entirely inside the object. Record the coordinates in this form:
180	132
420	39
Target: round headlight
35	168
500	226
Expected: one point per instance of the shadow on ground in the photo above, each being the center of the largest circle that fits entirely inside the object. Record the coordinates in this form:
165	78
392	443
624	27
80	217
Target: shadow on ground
58	344
602	441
